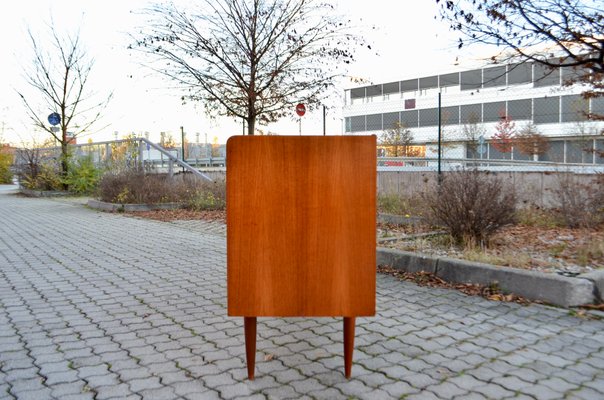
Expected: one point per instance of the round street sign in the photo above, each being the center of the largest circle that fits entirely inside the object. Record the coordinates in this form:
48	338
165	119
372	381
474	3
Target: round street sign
300	109
54	119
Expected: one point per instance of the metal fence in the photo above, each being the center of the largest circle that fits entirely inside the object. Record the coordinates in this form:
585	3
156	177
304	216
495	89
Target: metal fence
496	113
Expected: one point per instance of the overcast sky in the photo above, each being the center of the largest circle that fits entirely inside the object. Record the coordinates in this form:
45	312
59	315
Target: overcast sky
408	40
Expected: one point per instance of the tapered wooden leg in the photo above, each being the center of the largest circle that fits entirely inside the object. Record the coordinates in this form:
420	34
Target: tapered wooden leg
249	325
348	344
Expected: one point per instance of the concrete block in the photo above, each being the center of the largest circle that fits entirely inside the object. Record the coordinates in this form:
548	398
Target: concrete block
104	206
597	278
551	288
398	219
406	261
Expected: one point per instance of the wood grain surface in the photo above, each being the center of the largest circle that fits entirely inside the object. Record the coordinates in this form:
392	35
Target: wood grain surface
301	218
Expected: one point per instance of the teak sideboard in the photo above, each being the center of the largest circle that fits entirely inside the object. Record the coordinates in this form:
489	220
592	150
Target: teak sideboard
301	230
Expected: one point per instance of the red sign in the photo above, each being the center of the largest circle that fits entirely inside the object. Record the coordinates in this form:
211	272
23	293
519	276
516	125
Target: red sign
300	109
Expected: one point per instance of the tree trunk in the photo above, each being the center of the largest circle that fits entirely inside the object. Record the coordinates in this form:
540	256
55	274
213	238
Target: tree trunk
64	153
251	125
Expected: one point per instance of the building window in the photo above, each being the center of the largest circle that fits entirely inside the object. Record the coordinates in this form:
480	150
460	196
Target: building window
495	76
357	124
520	109
599	156
429	82
390	120
372	91
374	122
546	76
450	115
555	153
492	112
597	106
390	88
411	85
546	110
498	155
357	93
471	113
580	151
428	117
520	73
449	80
410	118
574	108
347	125
521	156
471	80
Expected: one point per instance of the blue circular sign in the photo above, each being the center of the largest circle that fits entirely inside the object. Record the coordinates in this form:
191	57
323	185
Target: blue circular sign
54	119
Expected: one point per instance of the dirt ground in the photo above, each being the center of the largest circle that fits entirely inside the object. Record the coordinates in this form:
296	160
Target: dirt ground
557	250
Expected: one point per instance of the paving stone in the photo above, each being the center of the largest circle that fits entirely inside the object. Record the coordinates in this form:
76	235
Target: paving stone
117	390
19	374
137	385
64	389
42	393
493	391
423	395
148	318
164	393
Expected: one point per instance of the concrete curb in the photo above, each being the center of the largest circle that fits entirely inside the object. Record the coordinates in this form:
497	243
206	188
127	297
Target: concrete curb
114	207
44	193
597	278
398	219
550	288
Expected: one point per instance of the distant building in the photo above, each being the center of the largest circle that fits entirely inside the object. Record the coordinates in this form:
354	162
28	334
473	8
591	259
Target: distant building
473	102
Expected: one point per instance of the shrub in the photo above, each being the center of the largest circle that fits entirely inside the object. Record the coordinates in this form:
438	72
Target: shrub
46	177
535	216
6	160
207	196
131	187
580	204
471	205
392	203
83	176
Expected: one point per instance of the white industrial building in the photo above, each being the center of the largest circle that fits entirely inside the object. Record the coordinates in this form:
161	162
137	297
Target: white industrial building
526	93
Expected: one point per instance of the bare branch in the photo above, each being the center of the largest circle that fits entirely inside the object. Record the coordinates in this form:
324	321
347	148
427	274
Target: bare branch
249	59
59	75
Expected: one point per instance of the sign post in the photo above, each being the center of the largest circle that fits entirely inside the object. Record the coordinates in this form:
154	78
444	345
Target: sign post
54	119
300	110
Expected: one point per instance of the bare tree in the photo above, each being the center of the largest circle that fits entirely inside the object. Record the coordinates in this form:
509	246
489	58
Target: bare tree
553	33
530	141
249	59
505	132
473	130
586	133
59	75
398	141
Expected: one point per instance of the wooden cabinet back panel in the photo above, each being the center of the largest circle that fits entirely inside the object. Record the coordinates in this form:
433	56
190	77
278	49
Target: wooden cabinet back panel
301	225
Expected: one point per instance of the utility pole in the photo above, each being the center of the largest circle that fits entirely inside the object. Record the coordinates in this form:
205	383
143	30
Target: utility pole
182	145
324	126
439	138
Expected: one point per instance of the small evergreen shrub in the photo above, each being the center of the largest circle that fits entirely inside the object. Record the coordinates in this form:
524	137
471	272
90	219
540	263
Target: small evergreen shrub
83	176
6	161
46	177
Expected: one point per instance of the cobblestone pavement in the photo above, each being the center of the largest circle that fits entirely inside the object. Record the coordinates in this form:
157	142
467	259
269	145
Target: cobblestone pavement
103	306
